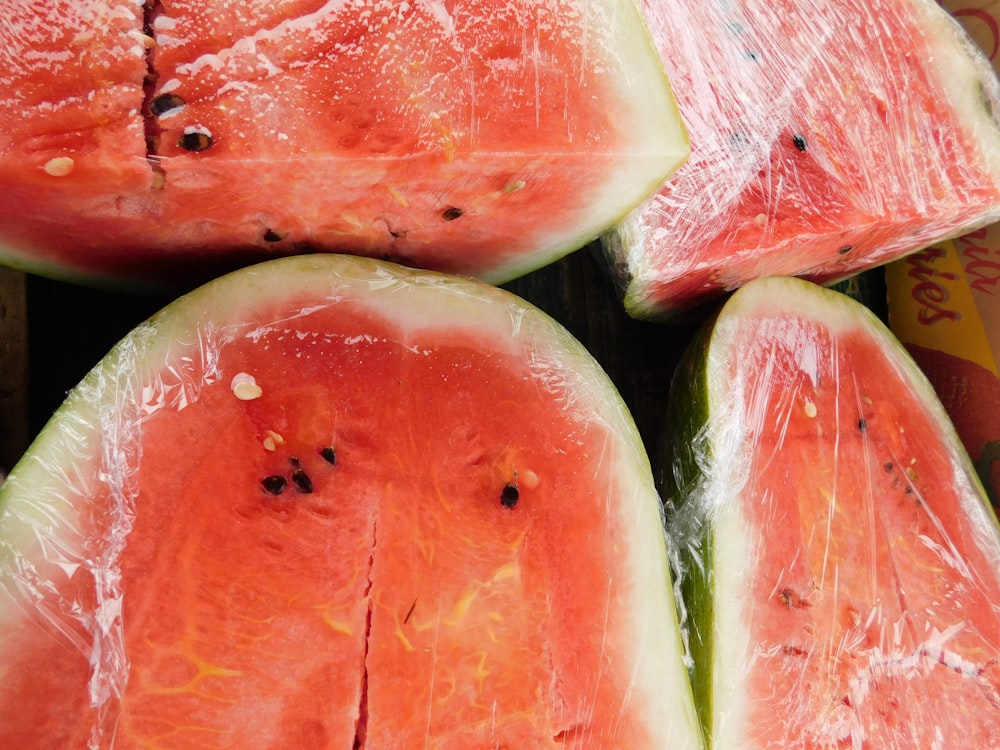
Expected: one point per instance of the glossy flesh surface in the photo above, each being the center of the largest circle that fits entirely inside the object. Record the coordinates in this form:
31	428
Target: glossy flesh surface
171	141
426	522
855	559
827	137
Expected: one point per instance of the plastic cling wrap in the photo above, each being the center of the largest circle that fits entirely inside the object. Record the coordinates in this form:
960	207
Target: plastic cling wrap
827	137
839	561
162	141
328	502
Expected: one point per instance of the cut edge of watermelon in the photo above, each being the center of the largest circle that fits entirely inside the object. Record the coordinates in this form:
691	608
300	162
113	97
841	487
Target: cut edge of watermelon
971	86
650	143
708	534
87	443
661	145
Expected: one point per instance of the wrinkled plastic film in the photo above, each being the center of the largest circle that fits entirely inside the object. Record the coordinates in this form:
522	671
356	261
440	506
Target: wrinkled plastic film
442	125
826	138
67	513
842	564
77	529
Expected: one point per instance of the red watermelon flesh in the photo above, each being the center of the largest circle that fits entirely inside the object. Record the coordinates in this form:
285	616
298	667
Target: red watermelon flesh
827	137
855	560
169	141
427	521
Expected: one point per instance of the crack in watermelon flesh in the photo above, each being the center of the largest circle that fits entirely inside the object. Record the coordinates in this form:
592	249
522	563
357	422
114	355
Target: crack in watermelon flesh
156	141
391	592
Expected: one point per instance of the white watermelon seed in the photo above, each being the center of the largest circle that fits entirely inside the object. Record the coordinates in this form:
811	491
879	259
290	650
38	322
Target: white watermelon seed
245	388
60	166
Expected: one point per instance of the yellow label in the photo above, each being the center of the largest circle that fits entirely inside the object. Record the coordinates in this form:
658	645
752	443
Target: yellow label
979	253
931	304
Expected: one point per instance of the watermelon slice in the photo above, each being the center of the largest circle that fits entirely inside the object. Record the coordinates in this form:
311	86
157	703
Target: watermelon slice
330	502
152	143
841	564
827	137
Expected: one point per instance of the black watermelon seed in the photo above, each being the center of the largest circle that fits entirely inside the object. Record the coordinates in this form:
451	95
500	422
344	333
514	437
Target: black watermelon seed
887	466
862	424
195	141
164	103
451	213
845	250
271	236
274	484
329	454
302	481
799	141
509	495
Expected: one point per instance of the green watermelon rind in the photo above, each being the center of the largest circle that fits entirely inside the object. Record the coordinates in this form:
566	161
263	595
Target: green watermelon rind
684	453
701	486
92	443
